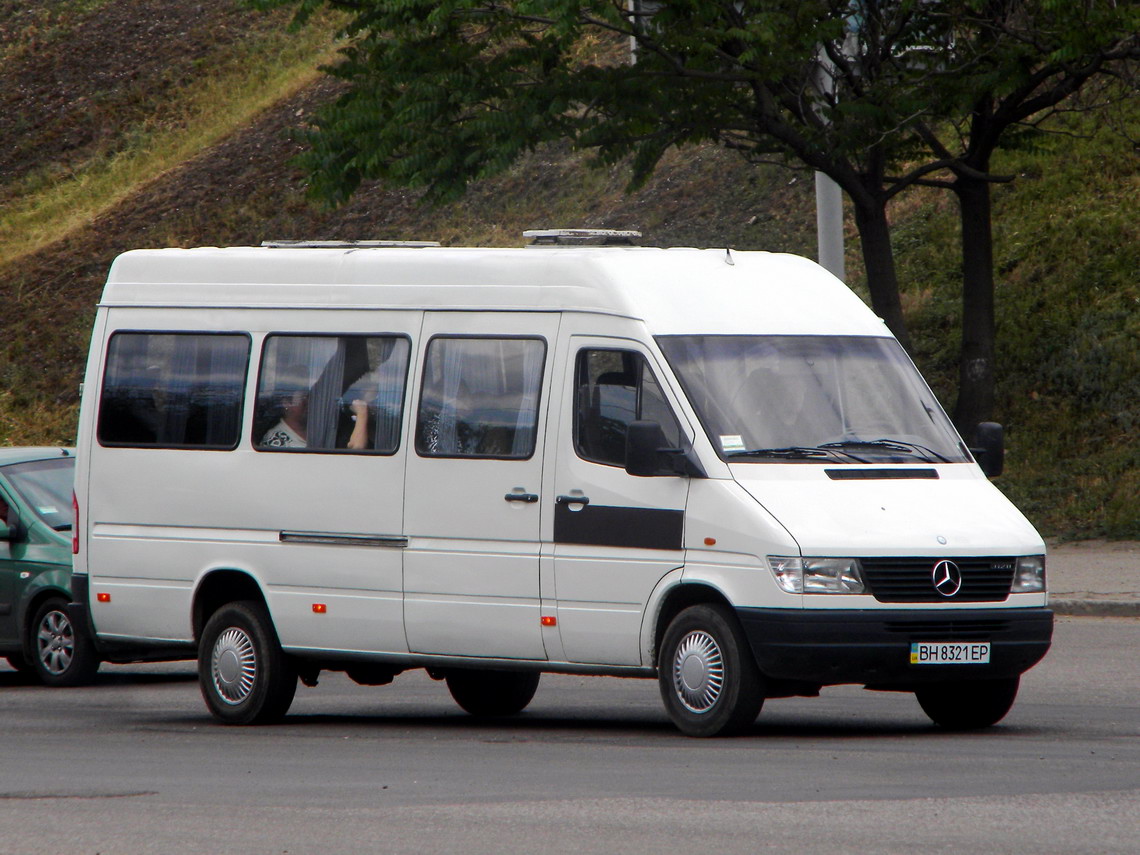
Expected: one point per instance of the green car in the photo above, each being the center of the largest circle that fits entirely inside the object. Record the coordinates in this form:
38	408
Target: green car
36	633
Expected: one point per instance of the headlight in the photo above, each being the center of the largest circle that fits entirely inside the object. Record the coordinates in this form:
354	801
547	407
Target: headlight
817	575
1029	576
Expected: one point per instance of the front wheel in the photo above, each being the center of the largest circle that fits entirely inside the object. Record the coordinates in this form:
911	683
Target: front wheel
492	693
60	655
709	681
968	704
244	675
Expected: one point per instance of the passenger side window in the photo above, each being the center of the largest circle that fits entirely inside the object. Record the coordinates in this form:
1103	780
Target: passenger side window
173	390
331	393
480	397
614	388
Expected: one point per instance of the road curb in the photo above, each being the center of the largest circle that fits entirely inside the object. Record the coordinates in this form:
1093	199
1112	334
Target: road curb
1095	608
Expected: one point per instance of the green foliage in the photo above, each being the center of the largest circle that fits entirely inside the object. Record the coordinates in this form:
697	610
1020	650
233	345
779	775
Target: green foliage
1067	252
443	94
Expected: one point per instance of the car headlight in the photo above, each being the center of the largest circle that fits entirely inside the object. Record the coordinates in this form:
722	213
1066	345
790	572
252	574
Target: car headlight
1029	577
817	575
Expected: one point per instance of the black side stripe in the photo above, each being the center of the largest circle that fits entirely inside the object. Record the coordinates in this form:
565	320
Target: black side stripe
599	525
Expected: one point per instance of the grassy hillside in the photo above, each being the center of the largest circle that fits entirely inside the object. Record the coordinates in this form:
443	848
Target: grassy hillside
165	123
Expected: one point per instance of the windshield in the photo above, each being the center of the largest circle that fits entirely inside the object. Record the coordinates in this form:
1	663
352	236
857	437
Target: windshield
45	486
825	399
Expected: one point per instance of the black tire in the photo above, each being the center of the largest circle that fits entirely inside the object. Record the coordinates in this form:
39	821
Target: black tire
709	680
492	693
60	656
244	675
968	704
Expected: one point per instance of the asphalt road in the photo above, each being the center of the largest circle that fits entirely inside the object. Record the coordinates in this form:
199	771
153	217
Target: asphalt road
135	765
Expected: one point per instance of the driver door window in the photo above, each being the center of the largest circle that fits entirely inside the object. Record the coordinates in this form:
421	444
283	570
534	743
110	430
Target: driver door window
614	388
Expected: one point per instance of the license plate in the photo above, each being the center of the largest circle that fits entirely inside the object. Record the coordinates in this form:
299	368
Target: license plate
950	653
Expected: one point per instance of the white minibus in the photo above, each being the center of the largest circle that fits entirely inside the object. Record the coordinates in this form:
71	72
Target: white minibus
714	468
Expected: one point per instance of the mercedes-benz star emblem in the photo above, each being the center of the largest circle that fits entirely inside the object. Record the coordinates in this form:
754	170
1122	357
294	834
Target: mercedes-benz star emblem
947	578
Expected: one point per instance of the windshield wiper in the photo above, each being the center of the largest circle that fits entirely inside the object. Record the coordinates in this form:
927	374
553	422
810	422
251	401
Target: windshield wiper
927	454
796	452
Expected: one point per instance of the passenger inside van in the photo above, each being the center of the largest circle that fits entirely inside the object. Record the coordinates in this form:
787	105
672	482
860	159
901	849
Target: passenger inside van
291	430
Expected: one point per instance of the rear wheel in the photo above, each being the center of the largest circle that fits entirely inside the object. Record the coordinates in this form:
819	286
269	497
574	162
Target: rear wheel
968	704
709	681
492	693
244	675
60	655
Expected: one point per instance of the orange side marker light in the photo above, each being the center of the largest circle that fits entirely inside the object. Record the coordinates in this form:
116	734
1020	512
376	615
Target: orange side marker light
710	541
103	598
549	620
320	608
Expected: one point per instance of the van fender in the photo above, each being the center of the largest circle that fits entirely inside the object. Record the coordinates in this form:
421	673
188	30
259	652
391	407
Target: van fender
216	586
650	617
52	583
743	581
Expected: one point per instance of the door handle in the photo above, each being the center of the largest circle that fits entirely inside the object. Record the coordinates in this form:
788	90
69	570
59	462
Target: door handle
572	500
529	498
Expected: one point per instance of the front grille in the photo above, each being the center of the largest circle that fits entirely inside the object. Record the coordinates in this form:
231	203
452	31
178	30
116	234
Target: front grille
911	580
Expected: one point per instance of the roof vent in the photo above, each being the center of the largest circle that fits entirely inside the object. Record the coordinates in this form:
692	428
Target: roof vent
581	237
345	244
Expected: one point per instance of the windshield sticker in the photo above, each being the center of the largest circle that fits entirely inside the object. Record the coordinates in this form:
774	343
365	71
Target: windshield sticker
732	442
50	509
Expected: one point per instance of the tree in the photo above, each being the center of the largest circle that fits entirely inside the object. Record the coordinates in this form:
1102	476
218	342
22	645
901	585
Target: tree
443	92
1013	64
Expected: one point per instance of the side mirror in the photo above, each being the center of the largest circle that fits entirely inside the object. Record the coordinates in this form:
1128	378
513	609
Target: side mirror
647	455
989	439
15	531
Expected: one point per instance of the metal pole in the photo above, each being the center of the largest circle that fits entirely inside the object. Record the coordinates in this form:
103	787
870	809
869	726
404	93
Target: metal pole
829	225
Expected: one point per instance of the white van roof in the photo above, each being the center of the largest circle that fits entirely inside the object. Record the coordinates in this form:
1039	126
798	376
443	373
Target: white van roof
675	291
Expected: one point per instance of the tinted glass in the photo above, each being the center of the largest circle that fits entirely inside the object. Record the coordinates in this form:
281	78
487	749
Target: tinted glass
614	388
331	393
480	397
173	390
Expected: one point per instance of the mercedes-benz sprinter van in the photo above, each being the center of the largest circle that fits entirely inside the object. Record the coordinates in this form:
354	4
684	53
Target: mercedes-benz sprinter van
714	468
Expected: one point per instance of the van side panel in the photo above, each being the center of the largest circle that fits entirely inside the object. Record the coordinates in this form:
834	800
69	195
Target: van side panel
319	532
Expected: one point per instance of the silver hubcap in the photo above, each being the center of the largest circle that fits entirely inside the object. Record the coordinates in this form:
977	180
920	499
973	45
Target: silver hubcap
56	642
698	672
233	665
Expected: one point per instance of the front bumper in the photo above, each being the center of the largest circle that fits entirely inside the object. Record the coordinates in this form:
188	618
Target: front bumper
825	647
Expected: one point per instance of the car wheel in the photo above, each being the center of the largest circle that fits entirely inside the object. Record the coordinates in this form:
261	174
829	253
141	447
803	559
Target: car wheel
968	704
60	655
709	680
492	693
244	675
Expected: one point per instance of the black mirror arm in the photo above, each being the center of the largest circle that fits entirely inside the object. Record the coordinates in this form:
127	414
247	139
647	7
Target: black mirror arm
684	461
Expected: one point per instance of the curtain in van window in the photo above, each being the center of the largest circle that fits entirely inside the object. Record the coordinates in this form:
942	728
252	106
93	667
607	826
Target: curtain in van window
173	390
324	399
528	407
391	361
308	385
447	425
480	397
